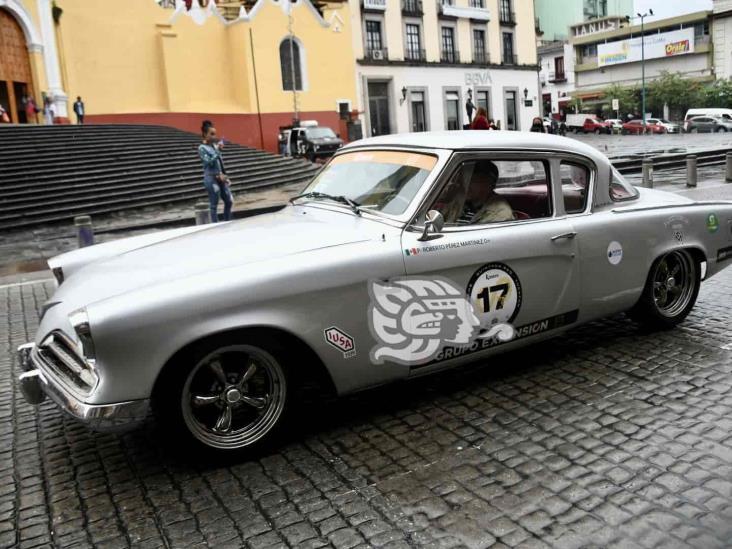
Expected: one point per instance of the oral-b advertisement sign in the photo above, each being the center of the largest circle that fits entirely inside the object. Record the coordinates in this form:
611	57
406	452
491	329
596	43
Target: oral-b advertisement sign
665	44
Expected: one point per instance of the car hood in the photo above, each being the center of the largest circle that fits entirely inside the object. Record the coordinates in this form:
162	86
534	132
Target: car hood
293	230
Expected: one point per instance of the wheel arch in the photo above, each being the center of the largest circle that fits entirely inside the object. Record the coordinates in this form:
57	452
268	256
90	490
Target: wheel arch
296	349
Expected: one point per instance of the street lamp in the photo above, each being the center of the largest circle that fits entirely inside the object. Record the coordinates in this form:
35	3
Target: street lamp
643	66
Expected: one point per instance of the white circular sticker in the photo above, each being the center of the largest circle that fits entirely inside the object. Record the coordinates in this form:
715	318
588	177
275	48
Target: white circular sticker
614	253
495	294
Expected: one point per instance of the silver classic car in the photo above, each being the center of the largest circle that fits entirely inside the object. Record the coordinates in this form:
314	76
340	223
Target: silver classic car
405	255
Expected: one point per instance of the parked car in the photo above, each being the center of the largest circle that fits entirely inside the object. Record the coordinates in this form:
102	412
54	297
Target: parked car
670	127
309	140
587	124
636	127
380	270
725	114
708	124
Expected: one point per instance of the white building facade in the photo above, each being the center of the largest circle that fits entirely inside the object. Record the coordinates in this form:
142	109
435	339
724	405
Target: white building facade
722	37
556	76
420	62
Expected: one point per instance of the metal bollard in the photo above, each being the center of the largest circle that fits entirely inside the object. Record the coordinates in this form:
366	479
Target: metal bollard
728	177
203	213
84	230
647	167
691	170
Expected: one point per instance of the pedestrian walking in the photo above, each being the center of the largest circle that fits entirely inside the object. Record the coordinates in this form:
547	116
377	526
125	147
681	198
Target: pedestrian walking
480	122
537	125
31	110
214	173
79	110
48	111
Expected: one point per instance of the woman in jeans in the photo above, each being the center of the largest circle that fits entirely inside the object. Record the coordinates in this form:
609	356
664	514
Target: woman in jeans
214	177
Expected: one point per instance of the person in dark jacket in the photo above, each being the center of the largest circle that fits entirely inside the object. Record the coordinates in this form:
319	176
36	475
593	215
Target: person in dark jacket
79	110
537	125
480	122
214	174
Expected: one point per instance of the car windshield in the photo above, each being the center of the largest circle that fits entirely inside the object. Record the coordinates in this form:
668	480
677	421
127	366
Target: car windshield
317	133
382	181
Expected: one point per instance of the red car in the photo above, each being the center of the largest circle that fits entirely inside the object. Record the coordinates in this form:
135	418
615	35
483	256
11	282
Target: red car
636	127
595	125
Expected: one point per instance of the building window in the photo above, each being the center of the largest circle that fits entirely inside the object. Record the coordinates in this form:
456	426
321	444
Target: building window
290	64
449	53
452	110
413	50
508	56
418	111
559	68
505	14
511	122
594	9
588	52
476	4
482	99
479	53
374	43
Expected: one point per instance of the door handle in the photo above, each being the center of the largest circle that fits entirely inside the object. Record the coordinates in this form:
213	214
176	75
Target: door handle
568	235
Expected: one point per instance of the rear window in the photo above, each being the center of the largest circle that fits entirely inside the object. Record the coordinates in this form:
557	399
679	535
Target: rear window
620	189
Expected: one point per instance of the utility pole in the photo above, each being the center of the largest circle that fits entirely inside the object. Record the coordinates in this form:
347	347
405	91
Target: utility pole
643	66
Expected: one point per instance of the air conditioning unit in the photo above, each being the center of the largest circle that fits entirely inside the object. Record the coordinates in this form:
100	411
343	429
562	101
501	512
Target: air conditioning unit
377	55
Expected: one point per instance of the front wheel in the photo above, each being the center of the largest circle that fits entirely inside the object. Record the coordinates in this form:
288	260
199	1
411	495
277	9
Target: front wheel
224	398
670	292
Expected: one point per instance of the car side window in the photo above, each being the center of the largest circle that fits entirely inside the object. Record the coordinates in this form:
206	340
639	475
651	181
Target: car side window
484	191
575	180
620	189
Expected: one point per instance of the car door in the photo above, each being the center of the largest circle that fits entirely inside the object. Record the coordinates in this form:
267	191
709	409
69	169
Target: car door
522	271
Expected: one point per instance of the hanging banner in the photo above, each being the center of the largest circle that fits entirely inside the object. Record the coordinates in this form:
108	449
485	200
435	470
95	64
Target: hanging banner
664	44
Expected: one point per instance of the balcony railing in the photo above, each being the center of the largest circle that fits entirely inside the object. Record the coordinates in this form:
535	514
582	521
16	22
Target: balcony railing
374	5
509	59
412	54
480	57
476	4
450	56
506	17
376	54
412	7
557	77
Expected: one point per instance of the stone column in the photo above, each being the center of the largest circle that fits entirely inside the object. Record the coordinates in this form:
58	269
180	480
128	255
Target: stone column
51	61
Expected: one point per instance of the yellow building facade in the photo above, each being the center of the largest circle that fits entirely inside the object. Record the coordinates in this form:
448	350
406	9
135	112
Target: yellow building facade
138	61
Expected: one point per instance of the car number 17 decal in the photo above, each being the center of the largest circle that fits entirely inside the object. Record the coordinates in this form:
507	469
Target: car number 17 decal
495	294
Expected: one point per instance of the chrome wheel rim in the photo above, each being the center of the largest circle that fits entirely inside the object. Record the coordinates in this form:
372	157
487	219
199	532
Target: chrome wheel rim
674	278
233	397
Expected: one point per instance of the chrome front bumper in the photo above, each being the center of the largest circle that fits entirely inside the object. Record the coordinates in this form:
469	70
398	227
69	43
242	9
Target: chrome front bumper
35	384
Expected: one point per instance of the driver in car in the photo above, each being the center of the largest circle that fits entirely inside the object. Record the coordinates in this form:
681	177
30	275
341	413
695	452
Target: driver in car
480	203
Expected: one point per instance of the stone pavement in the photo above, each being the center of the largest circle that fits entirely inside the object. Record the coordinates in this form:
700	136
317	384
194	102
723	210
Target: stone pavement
606	437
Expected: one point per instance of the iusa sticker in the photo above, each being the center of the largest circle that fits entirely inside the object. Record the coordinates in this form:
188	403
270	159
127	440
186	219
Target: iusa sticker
341	341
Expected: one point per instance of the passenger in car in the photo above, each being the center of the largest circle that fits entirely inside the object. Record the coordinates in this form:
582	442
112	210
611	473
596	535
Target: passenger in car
479	203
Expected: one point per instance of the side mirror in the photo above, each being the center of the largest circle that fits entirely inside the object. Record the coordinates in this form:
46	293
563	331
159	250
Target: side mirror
433	223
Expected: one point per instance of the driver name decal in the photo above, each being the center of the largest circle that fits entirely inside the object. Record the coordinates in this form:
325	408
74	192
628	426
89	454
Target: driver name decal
446	246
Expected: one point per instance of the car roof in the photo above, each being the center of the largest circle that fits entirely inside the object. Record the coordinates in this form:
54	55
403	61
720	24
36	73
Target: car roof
479	139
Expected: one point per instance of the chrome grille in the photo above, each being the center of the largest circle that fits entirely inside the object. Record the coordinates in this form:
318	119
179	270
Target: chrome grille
60	355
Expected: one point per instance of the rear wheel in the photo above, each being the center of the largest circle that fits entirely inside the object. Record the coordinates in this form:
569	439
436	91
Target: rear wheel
670	292
225	398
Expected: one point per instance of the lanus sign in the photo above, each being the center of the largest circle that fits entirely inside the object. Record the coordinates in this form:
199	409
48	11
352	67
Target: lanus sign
597	25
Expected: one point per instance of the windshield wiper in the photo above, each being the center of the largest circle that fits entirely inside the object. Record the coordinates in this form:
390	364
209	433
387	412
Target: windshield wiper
340	198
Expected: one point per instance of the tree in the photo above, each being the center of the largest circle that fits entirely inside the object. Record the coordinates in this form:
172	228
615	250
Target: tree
717	94
675	91
628	99
576	104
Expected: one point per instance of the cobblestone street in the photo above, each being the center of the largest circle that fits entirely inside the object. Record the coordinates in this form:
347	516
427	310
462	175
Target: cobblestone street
603	438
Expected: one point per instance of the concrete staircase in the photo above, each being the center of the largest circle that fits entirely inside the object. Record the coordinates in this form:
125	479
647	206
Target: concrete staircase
52	173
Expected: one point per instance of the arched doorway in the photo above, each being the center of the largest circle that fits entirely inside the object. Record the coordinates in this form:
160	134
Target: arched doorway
16	80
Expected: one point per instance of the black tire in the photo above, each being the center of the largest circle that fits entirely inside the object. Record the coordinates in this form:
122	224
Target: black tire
670	291
193	395
721	129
